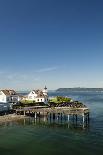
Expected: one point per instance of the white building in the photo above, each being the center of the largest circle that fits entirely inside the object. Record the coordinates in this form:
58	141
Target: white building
38	95
9	96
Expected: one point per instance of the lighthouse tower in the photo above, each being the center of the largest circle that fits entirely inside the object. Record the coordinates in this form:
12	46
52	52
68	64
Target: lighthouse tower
45	92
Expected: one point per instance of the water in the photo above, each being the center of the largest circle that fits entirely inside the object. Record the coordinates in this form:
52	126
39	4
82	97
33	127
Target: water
56	138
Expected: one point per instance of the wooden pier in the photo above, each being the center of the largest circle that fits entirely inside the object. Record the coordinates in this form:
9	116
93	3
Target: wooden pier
55	112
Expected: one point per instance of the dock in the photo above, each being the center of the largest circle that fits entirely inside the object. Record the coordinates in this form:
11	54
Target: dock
55	112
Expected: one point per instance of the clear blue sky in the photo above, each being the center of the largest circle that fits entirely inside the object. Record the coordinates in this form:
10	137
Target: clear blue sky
54	42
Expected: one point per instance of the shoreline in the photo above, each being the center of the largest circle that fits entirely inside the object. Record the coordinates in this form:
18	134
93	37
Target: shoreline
11	117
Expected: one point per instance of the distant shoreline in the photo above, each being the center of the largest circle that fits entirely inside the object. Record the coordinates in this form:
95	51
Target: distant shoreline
78	89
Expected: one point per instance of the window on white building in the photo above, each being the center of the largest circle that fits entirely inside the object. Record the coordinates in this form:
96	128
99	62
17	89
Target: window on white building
30	97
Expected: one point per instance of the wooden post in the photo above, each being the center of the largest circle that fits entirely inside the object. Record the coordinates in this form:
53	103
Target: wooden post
24	121
44	118
64	117
24	112
68	125
73	118
83	118
53	115
61	116
35	115
88	116
44	111
68	118
39	119
86	119
76	118
46	115
58	116
50	116
83	126
16	112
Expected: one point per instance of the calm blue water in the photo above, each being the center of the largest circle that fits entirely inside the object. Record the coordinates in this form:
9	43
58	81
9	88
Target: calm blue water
44	138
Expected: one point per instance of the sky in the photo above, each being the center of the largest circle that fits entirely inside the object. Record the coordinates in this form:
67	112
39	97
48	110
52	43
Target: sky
57	43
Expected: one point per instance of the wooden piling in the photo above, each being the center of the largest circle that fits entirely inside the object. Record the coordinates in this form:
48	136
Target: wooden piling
61	116
68	118
53	115
50	116
76	118
35	115
83	118
24	112
57	113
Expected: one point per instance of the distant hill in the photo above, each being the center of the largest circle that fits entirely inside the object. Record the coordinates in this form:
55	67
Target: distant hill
78	89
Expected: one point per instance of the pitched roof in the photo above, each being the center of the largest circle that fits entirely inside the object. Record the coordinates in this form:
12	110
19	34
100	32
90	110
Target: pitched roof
39	93
9	92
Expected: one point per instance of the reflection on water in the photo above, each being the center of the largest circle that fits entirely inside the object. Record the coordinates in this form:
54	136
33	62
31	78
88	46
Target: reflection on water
50	123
